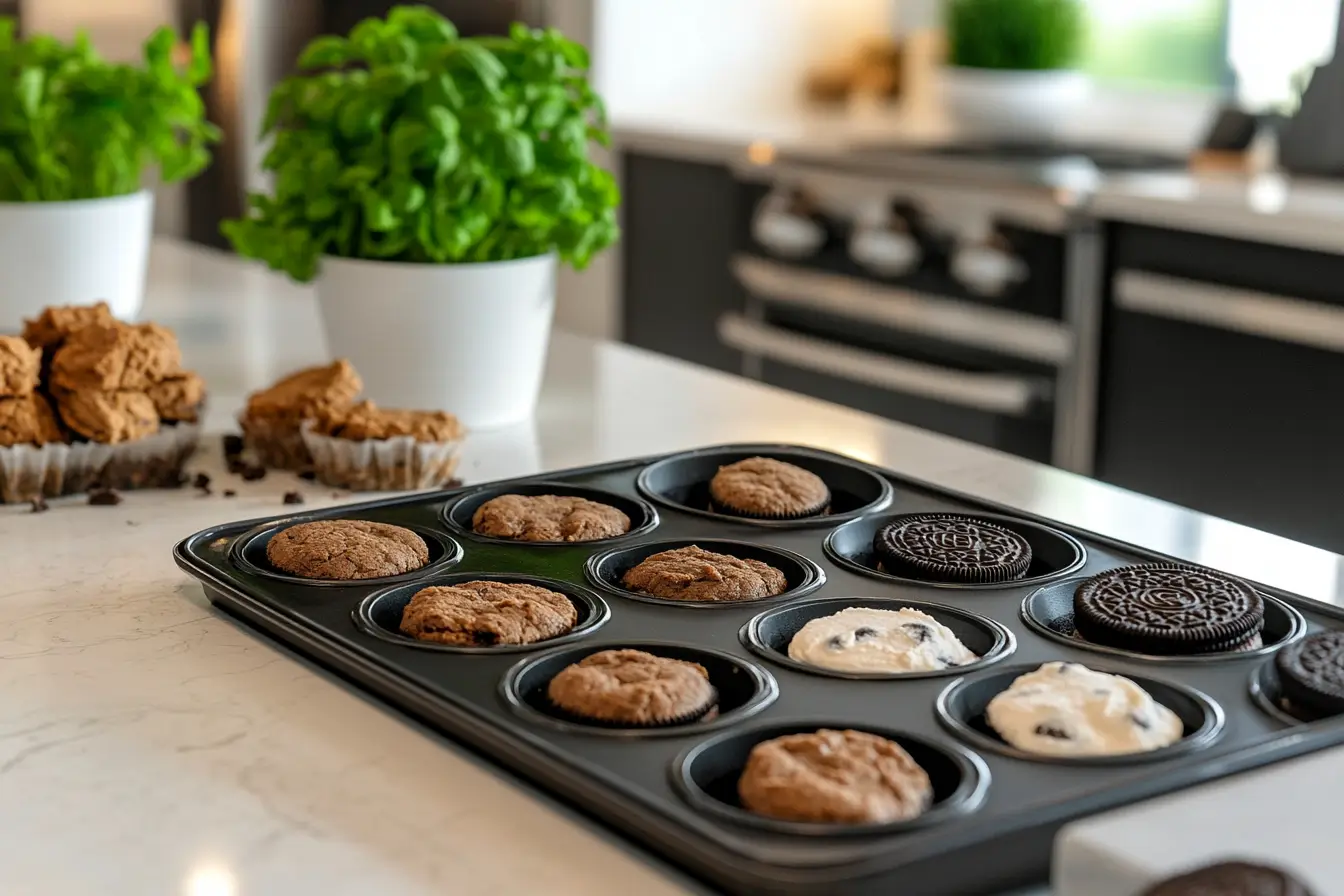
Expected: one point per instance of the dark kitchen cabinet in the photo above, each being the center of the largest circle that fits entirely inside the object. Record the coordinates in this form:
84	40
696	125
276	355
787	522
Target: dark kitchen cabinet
1223	363
678	236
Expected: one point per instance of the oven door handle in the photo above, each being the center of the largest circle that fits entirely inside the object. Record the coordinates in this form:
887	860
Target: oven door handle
994	393
1260	314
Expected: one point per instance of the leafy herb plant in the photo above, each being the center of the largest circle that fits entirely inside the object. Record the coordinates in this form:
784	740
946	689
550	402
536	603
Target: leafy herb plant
405	142
1020	35
74	126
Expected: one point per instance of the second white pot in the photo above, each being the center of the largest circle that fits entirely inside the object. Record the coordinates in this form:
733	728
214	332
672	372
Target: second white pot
469	339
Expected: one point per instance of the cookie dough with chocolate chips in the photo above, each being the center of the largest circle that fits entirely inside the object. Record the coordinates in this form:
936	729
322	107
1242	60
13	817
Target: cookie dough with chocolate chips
487	614
862	639
540	518
28	421
119	357
109	417
694	574
841	777
346	549
20	365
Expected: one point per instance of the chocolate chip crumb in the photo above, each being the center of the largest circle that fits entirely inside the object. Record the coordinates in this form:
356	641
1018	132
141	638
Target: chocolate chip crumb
308	475
863	633
229	493
1045	730
233	446
293	498
454	483
919	631
252	473
236	466
104	497
835	643
39	505
202	481
336	494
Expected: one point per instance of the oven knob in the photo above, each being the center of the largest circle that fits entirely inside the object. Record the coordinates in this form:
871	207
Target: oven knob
886	249
783	226
988	268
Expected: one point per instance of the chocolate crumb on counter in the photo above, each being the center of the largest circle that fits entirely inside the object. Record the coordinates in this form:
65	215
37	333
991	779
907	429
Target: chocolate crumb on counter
252	473
104	497
293	498
233	446
39	505
308	475
237	466
201	481
454	483
229	493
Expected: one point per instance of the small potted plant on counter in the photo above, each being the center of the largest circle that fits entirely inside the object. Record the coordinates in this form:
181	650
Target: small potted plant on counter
76	136
1010	66
431	183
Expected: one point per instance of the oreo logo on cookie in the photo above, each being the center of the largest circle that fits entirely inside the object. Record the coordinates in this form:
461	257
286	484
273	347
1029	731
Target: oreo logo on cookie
946	547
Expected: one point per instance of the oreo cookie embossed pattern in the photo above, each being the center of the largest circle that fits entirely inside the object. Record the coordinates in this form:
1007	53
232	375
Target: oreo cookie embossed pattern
950	548
1168	609
1311	673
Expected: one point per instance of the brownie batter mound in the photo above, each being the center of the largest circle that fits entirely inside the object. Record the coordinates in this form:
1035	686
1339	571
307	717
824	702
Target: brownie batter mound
347	549
634	688
486	614
548	518
846	777
694	574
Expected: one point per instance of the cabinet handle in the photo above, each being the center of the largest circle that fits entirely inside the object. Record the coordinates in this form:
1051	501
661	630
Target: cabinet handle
964	323
1241	310
990	392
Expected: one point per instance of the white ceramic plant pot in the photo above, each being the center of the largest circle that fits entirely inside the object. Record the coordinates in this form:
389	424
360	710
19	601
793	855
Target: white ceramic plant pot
469	339
74	253
1009	105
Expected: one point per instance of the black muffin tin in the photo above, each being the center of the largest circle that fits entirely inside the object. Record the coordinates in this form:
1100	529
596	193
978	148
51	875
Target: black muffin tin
673	789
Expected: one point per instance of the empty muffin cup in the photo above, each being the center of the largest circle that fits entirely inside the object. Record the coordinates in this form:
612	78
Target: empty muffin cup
744	689
1049	612
706	776
960	708
1053	553
606	570
380	613
681	482
458	514
249	554
768	634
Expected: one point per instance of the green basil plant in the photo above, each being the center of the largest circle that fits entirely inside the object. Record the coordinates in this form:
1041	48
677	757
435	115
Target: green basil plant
74	126
406	142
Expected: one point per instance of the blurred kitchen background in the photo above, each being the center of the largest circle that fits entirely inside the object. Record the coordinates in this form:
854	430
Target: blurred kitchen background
1129	266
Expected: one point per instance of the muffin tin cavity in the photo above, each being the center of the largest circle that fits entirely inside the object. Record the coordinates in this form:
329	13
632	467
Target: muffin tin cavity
249	554
961	710
379	614
802	575
1049	612
1053	553
681	482
768	634
744	688
1268	696
706	776
643	517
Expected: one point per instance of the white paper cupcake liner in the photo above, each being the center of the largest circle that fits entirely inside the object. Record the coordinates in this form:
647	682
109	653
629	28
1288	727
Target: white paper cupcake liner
277	444
49	471
396	464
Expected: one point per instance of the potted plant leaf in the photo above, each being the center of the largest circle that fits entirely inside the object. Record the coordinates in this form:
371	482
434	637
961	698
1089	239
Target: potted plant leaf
431	184
77	134
1010	69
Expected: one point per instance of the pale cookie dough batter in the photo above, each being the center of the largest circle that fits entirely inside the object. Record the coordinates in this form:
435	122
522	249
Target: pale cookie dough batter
859	639
1064	709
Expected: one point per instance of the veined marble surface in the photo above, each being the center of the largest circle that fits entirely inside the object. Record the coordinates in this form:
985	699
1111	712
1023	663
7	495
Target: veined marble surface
149	745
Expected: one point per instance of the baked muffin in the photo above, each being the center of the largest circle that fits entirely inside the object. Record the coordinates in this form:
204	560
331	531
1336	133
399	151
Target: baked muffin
346	549
487	614
115	358
28	421
633	689
20	366
368	448
50	329
765	488
694	574
540	518
838	777
274	416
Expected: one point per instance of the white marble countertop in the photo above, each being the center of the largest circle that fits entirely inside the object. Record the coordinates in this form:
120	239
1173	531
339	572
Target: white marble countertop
149	745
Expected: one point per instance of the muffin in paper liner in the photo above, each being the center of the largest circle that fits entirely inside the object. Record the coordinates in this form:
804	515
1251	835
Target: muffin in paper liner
276	443
400	463
56	469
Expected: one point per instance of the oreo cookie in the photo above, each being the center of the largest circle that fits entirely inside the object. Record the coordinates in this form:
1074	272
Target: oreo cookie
1231	879
948	547
1311	673
1168	609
